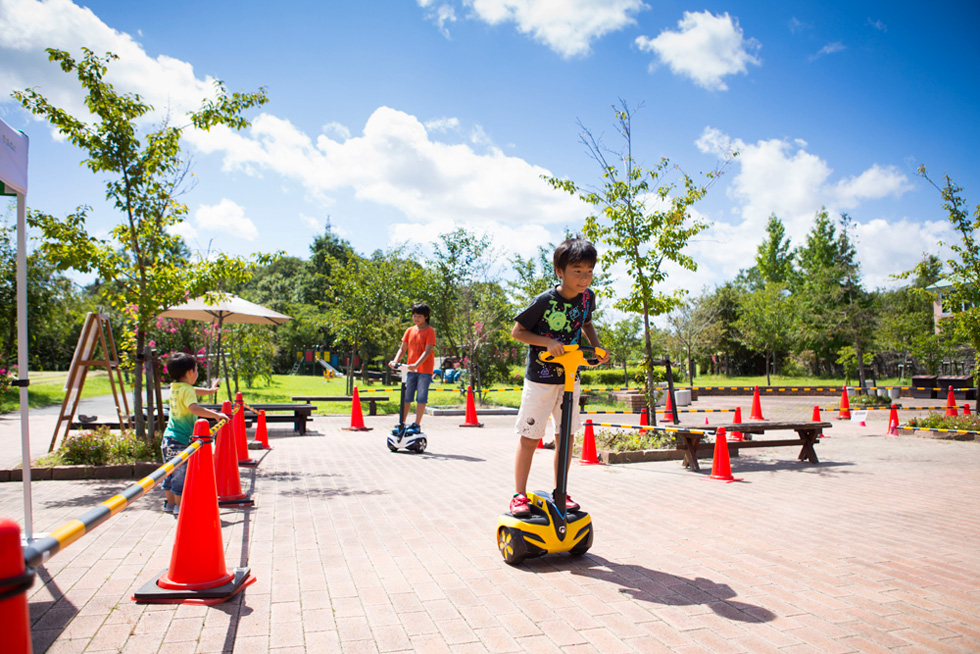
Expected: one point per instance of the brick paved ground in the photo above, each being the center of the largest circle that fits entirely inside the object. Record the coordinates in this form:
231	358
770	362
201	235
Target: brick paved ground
360	550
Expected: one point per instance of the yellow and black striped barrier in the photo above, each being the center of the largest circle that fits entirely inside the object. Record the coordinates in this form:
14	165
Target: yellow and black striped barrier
42	549
942	431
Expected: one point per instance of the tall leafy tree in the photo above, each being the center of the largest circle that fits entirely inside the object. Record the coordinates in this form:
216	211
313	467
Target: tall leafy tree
624	342
692	322
642	218
765	322
145	174
774	257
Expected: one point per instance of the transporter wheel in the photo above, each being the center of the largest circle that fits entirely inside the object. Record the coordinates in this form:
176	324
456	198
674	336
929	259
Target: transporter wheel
419	446
584	546
392	447
511	544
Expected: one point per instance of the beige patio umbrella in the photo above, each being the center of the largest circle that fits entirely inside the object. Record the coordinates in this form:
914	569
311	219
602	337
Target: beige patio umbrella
229	309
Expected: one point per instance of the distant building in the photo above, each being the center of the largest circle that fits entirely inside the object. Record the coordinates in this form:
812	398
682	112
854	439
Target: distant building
942	304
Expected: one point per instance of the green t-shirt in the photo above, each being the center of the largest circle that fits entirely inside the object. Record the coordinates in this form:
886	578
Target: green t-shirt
180	427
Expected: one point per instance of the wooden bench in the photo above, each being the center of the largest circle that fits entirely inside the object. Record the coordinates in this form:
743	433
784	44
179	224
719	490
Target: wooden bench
372	400
809	433
301	413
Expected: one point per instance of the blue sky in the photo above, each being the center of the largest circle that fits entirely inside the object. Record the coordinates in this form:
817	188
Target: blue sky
400	120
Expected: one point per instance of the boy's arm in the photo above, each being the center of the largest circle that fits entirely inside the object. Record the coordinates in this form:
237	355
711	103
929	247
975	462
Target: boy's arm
412	367
590	334
525	335
215	386
398	357
201	412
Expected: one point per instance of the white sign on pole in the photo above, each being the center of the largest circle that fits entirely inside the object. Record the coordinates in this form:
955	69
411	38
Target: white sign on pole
13	160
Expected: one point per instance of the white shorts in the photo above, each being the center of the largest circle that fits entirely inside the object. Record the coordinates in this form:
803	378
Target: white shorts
538	401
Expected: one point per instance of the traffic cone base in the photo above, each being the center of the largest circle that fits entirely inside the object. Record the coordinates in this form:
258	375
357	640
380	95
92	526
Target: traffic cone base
471	419
589	455
721	469
197	572
356	417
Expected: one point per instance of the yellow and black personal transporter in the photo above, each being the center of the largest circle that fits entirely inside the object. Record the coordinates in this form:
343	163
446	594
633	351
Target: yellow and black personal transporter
550	528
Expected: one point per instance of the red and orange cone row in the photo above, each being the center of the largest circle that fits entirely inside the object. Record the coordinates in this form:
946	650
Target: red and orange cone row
471	419
241	439
356	417
197	572
721	467
845	406
227	479
893	421
589	455
756	406
15	621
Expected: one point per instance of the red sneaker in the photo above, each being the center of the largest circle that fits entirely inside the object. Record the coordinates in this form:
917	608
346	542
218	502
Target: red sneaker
570	504
519	507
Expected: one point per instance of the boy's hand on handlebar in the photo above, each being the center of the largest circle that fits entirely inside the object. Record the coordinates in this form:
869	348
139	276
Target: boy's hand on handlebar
605	357
555	348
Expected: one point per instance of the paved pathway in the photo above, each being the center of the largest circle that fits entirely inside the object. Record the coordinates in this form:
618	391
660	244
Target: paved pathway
360	550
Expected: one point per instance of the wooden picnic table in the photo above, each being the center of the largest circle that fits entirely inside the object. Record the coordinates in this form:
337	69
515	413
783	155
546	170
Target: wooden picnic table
302	413
808	432
372	400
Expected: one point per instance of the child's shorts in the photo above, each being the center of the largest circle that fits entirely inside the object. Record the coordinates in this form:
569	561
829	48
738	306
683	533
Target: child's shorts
175	482
538	401
417	384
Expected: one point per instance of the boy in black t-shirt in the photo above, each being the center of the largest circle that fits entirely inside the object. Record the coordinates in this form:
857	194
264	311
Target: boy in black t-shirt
555	318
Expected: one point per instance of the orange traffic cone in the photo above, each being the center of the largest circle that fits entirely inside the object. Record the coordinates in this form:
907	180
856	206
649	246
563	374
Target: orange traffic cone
540	444
356	417
669	410
893	421
816	418
261	432
951	404
643	417
845	406
14	616
756	406
589	456
197	572
471	420
227	479
706	420
721	468
966	409
241	439
737	435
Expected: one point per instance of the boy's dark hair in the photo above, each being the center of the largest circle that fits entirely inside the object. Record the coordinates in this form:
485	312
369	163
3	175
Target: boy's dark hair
422	309
572	251
179	365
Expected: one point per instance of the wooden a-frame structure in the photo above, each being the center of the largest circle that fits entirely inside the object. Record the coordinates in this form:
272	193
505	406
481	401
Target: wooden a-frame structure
95	332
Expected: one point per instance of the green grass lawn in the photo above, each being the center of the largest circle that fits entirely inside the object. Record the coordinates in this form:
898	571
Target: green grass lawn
47	388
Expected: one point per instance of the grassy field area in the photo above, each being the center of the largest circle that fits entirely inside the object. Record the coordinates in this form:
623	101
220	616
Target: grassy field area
47	388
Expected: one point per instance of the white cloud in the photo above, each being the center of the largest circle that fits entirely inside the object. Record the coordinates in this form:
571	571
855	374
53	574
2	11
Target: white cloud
705	48
566	26
226	218
442	125
316	225
830	48
878	25
780	176
29	27
336	129
396	163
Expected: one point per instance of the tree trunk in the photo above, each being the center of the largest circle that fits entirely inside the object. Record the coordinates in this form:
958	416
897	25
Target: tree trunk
138	388
859	350
768	379
651	399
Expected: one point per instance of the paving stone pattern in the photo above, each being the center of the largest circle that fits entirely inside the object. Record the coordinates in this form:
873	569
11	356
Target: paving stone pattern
357	549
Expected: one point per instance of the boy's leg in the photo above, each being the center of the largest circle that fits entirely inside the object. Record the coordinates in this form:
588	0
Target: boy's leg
411	385
537	400
522	462
421	396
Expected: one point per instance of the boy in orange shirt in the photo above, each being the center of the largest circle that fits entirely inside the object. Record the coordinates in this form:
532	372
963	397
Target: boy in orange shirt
417	344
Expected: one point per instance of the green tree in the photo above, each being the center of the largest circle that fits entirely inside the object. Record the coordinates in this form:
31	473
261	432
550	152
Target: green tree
623	340
644	222
144	175
535	275
692	322
774	258
765	322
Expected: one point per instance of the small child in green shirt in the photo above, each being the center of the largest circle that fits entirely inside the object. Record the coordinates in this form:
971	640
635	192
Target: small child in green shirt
184	411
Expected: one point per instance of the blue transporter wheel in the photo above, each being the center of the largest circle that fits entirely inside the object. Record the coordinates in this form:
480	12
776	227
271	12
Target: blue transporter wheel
511	544
418	446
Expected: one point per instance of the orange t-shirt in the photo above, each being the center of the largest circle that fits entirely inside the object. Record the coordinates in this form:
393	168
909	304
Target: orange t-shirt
415	340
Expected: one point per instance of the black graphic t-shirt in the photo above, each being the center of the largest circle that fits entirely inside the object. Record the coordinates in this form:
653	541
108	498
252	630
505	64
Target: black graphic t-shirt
553	316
